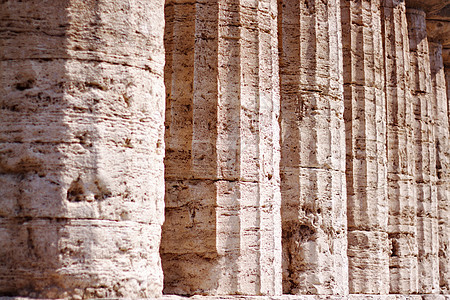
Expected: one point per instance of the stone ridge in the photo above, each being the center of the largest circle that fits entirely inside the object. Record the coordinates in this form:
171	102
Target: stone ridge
223	232
365	129
399	139
312	149
229	149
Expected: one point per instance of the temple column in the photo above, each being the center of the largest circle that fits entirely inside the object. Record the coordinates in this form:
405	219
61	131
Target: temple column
425	154
222	233
439	97
365	123
81	148
312	148
402	203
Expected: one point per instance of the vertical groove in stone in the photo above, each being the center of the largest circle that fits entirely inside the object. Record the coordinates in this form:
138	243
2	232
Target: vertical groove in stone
312	148
365	121
402	203
189	232
223	233
439	94
425	159
81	148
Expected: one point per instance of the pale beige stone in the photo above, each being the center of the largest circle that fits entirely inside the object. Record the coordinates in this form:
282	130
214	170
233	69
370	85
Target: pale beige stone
81	148
312	148
425	154
439	97
363	211
223	231
365	124
403	275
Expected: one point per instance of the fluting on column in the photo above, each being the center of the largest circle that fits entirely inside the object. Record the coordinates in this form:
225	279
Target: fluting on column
312	148
222	233
365	124
424	154
439	98
402	203
81	148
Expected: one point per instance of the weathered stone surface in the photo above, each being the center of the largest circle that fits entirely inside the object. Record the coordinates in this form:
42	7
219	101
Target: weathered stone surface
81	148
403	276
359	208
425	153
439	97
312	148
223	231
365	129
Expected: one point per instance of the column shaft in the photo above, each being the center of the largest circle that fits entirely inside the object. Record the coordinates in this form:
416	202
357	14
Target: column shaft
81	148
223	231
365	121
312	148
439	95
425	154
400	160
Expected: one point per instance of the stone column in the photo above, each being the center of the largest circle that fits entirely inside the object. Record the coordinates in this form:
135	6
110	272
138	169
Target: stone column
81	148
424	156
447	81
223	230
312	148
365	124
400	160
439	97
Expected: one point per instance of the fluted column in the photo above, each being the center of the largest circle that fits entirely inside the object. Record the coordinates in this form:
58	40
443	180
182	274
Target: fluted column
312	148
400	159
365	124
81	148
222	233
424	156
447	81
439	97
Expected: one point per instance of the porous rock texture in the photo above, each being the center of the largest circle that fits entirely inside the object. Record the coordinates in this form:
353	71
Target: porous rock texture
81	148
403	276
365	130
424	153
222	233
440	104
306	148
312	148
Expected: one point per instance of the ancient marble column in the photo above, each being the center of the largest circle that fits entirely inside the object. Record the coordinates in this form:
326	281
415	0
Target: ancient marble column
424	154
222	233
365	124
399	143
81	148
439	97
312	148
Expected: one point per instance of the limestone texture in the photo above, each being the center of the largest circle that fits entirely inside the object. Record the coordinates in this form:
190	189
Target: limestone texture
223	231
313	186
424	154
440	103
225	149
365	130
403	273
81	148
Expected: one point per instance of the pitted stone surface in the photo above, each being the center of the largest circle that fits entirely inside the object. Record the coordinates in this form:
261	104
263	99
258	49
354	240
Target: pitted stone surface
365	129
439	98
81	148
223	232
400	164
360	132
425	176
312	149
